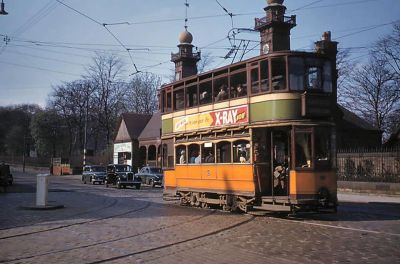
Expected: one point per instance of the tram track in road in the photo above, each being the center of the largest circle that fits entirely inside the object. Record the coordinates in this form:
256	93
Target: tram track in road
215	232
209	213
147	204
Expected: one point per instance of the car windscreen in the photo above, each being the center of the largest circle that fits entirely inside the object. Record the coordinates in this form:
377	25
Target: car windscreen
123	168
155	170
98	169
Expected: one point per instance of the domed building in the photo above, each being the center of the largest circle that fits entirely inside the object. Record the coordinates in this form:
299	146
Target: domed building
185	59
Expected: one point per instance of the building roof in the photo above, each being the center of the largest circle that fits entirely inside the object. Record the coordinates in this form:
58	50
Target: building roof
134	124
355	119
152	129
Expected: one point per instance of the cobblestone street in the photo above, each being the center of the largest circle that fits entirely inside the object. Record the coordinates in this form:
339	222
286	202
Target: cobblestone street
101	224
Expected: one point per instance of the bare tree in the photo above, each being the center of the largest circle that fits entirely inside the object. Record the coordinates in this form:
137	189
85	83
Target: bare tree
344	67
372	93
108	93
206	60
142	93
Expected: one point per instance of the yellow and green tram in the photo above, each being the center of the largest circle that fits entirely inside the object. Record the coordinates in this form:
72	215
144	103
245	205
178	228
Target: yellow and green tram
257	134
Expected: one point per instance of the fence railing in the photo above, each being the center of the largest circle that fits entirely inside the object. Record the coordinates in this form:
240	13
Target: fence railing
369	165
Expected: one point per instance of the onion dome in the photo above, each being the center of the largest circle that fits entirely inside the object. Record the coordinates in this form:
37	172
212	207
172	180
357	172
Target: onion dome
185	37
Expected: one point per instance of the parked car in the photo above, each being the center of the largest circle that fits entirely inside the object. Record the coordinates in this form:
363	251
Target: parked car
121	176
93	174
151	175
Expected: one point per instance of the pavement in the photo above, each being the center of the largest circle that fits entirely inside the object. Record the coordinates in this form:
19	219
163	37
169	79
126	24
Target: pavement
101	224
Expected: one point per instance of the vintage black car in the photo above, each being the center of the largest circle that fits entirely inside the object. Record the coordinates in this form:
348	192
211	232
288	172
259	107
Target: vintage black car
93	174
121	176
151	175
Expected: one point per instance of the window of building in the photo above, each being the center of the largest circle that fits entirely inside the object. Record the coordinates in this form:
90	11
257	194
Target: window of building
254	81
221	89
191	96
264	81
180	155
303	149
278	74
241	151
327	77
224	152
296	74
205	90
179	99
207	152
194	154
238	84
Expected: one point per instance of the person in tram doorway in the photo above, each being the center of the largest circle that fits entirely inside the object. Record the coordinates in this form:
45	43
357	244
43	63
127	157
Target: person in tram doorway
279	180
209	158
182	157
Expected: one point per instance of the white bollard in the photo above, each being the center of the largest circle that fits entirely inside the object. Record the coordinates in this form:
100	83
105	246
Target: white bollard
42	183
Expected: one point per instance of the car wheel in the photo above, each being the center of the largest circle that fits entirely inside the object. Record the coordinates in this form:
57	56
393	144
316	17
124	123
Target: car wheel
151	182
92	180
137	186
118	185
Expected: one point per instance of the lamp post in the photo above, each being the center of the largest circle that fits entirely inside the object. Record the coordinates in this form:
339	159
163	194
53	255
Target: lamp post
2	10
85	126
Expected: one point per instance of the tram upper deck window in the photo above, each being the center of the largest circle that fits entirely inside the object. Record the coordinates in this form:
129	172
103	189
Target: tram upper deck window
241	151
327	77
192	96
278	73
168	103
224	152
303	149
205	90
313	74
207	153
264	81
238	84
179	99
221	89
322	147
254	80
296	74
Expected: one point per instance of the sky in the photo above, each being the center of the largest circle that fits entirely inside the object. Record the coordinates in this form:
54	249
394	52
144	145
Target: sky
44	43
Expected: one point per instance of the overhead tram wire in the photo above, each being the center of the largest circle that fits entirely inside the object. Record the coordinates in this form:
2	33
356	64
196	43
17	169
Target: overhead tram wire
104	25
33	20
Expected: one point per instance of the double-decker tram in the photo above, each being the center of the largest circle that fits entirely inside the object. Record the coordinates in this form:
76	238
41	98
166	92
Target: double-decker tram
257	134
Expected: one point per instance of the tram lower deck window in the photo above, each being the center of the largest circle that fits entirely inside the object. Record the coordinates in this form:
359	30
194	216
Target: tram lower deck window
303	150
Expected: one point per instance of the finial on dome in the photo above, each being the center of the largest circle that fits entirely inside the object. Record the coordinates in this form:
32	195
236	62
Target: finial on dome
185	37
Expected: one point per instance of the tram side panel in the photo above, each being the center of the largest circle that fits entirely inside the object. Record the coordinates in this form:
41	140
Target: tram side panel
313	185
229	179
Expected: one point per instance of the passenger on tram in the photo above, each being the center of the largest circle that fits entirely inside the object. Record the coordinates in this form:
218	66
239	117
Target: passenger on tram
242	154
182	157
241	91
209	158
222	94
193	157
197	160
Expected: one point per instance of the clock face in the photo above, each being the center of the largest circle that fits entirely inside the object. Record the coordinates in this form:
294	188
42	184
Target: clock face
265	48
